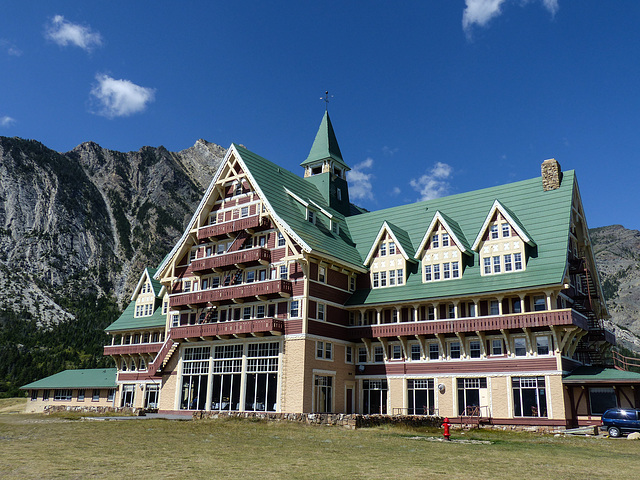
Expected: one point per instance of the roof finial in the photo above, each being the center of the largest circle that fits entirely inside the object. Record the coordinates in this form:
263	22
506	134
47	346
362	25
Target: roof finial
326	100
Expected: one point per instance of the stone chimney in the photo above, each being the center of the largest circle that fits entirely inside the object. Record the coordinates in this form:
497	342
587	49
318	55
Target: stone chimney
551	174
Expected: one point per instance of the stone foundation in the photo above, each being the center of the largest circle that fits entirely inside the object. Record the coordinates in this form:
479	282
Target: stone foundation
49	409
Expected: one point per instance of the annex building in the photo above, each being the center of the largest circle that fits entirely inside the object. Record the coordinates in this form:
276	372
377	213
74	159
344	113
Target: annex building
283	296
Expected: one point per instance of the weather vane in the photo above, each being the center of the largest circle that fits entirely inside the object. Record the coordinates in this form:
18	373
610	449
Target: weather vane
326	99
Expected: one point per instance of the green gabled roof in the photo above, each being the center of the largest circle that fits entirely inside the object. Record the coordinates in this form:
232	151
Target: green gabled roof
456	230
273	182
86	378
325	145
546	216
587	374
127	321
403	239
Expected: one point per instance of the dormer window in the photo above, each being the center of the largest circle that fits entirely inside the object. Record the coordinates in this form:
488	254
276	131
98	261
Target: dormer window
238	189
339	194
392	248
316	170
383	249
435	241
445	239
506	230
311	216
494	232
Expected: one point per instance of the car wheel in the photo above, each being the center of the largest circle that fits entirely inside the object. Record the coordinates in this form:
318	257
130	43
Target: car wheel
614	432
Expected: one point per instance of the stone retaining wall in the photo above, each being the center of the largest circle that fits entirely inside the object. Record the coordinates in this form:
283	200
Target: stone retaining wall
92	409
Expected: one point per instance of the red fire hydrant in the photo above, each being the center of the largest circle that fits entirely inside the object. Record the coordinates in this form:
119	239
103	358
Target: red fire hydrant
446	426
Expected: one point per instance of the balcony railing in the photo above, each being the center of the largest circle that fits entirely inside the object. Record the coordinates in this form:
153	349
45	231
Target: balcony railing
242	291
472	324
132	348
246	257
241	327
252	222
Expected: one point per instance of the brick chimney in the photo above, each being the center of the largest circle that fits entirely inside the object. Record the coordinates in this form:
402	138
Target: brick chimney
551	174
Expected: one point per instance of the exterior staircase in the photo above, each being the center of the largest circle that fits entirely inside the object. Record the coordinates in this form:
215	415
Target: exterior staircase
163	356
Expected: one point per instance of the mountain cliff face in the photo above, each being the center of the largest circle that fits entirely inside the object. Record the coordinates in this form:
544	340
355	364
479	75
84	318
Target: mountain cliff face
617	252
89	220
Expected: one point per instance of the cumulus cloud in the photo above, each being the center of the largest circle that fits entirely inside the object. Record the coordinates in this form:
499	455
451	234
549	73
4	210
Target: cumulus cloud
433	184
480	12
360	182
66	33
119	98
6	121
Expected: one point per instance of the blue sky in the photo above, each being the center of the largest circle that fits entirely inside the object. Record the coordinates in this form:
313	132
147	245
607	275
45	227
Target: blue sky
429	97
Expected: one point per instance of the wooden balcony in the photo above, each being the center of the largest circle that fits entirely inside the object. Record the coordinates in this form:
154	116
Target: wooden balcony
257	327
132	349
234	293
472	324
245	258
254	222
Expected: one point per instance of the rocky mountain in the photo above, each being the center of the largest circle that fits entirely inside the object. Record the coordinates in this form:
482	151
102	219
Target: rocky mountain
90	219
617	252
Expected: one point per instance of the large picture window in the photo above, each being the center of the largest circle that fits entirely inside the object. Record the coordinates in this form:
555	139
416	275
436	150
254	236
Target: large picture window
324	390
262	377
602	399
374	394
529	397
227	376
471	391
195	373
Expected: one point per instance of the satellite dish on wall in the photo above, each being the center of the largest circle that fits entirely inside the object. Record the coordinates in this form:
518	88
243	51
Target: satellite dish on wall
441	388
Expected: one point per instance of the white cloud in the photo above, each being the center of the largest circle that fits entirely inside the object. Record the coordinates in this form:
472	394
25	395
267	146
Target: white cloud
480	12
396	191
433	184
6	121
360	182
66	33
10	48
390	151
120	98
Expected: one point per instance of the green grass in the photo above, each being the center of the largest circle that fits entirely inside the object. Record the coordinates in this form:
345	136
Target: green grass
36	446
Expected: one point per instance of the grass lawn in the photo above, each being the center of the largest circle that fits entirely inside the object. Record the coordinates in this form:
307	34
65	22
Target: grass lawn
36	446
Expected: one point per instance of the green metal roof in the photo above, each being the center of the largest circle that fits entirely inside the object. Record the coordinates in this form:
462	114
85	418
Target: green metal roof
546	216
85	378
588	374
325	145
273	181
127	321
157	286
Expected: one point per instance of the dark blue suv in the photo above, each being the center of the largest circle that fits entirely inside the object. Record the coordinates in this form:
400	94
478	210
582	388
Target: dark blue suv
619	420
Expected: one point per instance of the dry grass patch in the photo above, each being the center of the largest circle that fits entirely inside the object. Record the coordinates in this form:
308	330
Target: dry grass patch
33	446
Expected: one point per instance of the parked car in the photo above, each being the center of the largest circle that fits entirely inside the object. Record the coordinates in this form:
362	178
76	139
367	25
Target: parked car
621	420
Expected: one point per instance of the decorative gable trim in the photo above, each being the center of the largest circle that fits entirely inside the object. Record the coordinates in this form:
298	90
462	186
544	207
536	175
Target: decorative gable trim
232	153
143	279
386	228
460	241
513	222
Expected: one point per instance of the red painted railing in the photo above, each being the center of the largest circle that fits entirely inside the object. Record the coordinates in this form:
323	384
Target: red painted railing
473	324
254	221
132	349
259	325
247	257
245	290
625	363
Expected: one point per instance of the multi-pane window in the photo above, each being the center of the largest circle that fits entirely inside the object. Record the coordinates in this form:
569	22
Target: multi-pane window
348	354
517	261
324	389
376	279
421	396
311	216
244	212
281	240
542	345
260	311
446	270
539	303
487	265
294	310
81	395
434	351
392	277
469	390
62	394
454	349
352	284
415	352
383	279
455	270
321	311
96	395
392	248
520	346
362	355
494	307
494	232
284	272
427	273
431	313
396	352
436	272
400	276
496	346
435	241
378	354
324	350
322	272
496	264
445	239
383	249
529	397
474	349
506	230
508	266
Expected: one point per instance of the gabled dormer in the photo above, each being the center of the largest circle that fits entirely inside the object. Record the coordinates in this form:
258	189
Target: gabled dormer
441	250
501	242
388	257
147	293
325	168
